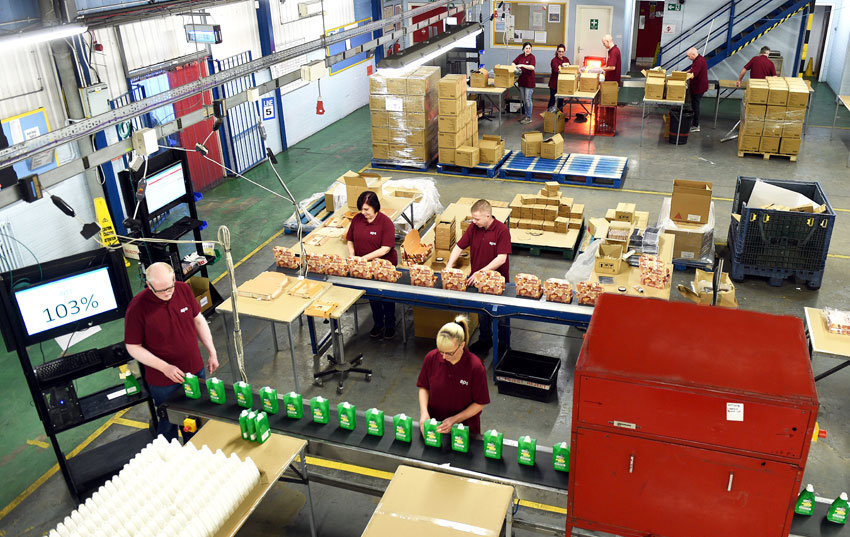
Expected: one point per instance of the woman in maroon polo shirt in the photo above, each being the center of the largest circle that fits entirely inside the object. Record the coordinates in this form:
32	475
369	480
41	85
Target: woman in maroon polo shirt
526	63
555	67
452	382
371	235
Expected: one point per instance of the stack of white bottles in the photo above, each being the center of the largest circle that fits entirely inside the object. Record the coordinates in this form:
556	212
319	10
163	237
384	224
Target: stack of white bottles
165	490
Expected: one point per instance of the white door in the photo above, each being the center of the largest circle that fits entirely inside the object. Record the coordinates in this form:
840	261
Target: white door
592	23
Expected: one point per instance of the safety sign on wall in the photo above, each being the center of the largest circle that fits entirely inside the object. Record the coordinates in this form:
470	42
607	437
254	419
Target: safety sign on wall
594	24
267	104
668	29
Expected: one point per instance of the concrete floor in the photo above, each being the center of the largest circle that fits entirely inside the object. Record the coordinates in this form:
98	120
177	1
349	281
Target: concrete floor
36	500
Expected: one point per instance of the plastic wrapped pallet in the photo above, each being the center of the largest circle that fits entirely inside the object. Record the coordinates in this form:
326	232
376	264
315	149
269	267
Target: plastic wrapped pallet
489	282
693	242
558	290
772	115
453	279
654	272
286	258
528	285
422	276
588	292
335	265
383	270
360	268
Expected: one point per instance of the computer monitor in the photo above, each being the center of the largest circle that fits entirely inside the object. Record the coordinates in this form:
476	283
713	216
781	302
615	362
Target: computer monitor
41	302
164	188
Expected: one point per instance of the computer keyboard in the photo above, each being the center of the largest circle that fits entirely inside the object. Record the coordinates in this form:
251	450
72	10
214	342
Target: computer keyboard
68	365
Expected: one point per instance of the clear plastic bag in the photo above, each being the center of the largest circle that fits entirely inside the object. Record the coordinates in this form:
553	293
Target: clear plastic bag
582	266
310	222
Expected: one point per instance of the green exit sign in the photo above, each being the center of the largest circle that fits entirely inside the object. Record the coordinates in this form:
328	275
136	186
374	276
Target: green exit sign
594	24
674	7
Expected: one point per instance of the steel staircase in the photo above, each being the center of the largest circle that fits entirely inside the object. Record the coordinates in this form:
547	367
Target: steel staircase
727	39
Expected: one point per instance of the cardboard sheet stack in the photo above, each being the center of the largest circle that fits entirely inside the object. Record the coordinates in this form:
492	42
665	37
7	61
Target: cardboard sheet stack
546	211
286	258
453	279
489	282
445	236
558	290
422	276
458	123
772	115
528	285
404	116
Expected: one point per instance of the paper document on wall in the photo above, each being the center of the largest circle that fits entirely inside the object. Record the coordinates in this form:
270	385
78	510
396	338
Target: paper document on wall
539	37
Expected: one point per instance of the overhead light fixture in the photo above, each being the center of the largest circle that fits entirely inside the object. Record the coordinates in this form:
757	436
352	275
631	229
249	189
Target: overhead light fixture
308	9
42	35
421	53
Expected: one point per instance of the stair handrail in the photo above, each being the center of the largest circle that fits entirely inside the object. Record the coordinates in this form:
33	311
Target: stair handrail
697	26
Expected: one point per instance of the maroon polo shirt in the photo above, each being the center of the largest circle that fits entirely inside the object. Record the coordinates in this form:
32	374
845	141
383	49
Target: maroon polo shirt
485	244
369	236
760	67
699	83
526	76
614	61
453	387
555	65
166	329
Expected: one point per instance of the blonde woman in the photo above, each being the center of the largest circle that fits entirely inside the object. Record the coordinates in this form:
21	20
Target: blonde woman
453	381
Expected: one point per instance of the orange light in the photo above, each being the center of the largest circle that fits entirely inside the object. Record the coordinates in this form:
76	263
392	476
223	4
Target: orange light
594	64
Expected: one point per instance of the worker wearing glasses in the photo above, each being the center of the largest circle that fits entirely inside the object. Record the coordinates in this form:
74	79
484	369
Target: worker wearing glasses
162	327
453	381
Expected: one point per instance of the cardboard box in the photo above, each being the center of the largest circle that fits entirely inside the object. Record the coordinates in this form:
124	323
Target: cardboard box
491	149
428	321
748	143
569	70
467	156
418	136
479	78
423	81
447	155
414	103
393	103
654	73
776	113
561	224
377	102
503	76
625	212
691	241
201	289
377	84
549	225
756	92
396	120
552	148
702	290
588	82
452	87
356	183
676	90
691	201
792	129
769	144
450	123
772	128
379	118
754	111
654	89
777	94
531	143
553	122
609	258
567	84
610	94
619	233
789	146
798	96
397	85
415	120
550	213
752	127
576	210
450	139
380	151
380	135
681	75
452	107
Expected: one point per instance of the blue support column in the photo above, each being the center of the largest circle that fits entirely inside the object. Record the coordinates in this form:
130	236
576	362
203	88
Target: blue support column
377	14
731	25
265	24
803	21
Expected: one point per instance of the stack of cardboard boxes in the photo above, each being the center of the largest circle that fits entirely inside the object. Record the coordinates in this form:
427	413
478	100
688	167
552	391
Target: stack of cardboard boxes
772	115
533	145
606	112
689	217
659	88
568	79
445	236
404	116
546	211
458	123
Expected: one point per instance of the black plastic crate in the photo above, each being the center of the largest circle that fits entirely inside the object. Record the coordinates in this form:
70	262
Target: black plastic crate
527	375
775	275
768	239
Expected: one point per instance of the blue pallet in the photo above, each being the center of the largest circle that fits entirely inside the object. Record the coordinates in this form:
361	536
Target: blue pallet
392	165
537	169
595	170
485	170
314	209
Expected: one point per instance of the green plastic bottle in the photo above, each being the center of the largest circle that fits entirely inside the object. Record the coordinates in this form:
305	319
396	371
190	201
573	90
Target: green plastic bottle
252	426
837	512
460	438
215	387
403	425
493	441
243	424
262	427
347	415
294	405
191	386
526	450
806	501
268	398
244	397
432	437
375	422
561	457
320	408
131	383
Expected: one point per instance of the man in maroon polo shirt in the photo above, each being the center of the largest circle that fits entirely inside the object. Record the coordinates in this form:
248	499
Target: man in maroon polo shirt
759	67
489	243
699	83
161	330
613	65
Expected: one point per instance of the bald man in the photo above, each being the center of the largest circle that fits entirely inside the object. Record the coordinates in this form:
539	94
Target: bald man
698	84
613	65
161	330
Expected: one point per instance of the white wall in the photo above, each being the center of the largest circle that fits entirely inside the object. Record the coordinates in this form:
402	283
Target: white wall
838	51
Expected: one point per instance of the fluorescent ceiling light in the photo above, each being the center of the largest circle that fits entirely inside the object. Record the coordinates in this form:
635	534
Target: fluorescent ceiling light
413	57
43	35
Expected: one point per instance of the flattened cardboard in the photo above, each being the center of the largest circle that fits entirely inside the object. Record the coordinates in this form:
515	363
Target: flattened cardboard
266	286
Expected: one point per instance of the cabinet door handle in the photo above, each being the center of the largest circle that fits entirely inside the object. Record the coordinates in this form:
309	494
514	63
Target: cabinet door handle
631	463
729	486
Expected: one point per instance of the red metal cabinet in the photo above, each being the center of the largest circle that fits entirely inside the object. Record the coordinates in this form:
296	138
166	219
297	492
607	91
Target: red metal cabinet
689	421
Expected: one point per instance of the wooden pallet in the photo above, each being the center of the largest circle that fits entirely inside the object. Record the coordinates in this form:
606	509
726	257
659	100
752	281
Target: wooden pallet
567	249
766	156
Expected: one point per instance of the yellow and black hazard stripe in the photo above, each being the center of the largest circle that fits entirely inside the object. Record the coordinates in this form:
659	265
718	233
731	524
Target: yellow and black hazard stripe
766	30
805	51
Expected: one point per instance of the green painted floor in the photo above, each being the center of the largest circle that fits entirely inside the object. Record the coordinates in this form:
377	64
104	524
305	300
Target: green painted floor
252	215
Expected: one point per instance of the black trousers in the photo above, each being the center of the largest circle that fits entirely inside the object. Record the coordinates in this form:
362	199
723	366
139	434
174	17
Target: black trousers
695	99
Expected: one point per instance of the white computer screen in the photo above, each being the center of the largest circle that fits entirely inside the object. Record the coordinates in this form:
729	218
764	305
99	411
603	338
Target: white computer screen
65	301
164	187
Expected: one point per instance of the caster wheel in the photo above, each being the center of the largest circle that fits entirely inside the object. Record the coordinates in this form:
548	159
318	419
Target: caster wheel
368	377
339	390
318	382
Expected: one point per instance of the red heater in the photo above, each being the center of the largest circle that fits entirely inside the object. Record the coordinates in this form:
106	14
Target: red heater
593	61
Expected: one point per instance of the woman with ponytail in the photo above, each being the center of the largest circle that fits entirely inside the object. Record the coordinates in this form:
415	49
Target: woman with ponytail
453	381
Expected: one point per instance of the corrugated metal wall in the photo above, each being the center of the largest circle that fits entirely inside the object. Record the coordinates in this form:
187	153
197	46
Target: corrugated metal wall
238	28
154	41
34	84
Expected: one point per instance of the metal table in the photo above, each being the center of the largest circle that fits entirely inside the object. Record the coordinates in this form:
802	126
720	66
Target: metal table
662	102
840	100
727	86
824	344
580	98
489	93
